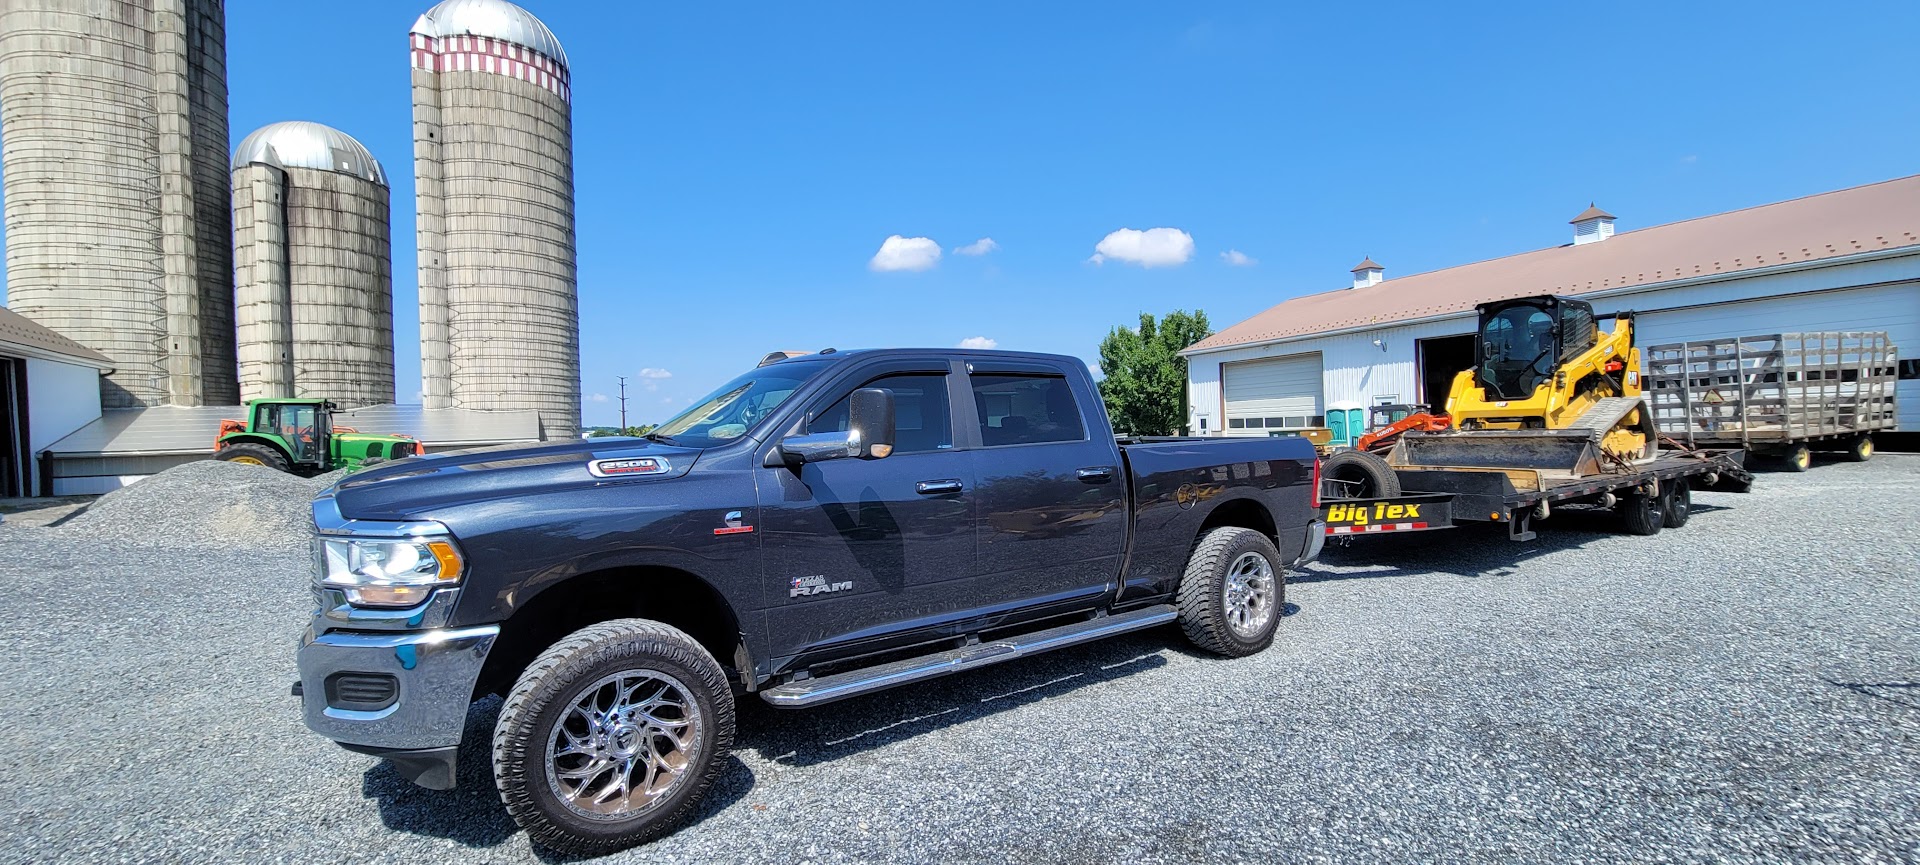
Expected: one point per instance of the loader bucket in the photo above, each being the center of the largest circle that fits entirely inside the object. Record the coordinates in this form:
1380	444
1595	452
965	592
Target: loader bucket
1574	452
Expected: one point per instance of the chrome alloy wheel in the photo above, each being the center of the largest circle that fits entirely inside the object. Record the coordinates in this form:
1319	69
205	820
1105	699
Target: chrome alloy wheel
1250	595
624	745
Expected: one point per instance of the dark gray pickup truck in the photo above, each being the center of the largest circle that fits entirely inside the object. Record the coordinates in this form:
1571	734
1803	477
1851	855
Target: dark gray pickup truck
823	526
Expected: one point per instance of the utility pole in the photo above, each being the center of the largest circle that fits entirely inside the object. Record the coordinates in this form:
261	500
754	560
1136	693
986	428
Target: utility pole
623	405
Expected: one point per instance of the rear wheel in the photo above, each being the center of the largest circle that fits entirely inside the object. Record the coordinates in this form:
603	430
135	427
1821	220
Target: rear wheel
1676	503
1233	593
611	736
1357	475
1641	513
249	454
1797	457
1862	449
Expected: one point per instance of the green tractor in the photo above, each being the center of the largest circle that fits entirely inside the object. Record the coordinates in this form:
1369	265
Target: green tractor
298	436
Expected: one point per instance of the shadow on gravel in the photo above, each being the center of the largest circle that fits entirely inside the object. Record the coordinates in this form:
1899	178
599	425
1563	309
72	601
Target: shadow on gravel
1901	694
472	814
1471	550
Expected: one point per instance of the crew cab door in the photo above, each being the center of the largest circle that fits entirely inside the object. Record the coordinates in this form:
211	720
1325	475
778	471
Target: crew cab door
1052	497
856	549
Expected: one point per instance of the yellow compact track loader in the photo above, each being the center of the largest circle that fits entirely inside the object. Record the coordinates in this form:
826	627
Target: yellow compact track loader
1552	392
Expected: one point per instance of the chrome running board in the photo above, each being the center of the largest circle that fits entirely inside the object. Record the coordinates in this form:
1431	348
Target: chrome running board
839	686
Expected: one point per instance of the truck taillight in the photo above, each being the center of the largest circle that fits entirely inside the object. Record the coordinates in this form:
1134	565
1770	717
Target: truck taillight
1316	483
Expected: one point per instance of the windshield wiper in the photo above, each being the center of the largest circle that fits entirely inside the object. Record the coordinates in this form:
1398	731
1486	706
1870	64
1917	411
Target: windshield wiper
657	437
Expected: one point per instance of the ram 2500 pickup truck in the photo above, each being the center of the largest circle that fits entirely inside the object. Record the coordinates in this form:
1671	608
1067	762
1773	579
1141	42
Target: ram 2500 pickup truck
820	527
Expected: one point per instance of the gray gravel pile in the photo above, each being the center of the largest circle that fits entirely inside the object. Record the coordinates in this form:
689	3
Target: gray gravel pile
1746	689
207	503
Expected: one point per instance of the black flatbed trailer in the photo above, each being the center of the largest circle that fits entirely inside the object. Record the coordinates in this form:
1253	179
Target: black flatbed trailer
1442	497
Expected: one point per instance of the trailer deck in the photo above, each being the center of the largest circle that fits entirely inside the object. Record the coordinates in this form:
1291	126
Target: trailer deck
1439	497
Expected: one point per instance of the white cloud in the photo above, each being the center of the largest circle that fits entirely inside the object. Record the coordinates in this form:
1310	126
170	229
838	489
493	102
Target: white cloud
979	342
979	247
667	401
1155	247
1238	259
650	378
598	397
905	253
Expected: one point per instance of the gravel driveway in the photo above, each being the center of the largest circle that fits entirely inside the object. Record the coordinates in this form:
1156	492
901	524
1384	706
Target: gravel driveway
1744	689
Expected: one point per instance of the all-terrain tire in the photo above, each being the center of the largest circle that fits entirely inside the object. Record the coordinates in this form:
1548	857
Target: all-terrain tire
524	765
248	453
1676	503
1861	450
1641	513
1375	479
1204	600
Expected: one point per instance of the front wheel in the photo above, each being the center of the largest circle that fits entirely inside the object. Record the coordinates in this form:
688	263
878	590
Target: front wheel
1233	593
611	736
1797	457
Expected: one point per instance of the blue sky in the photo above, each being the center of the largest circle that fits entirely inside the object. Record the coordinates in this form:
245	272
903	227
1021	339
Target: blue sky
738	168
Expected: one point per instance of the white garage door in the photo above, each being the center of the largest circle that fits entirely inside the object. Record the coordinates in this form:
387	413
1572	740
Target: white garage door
1268	395
1892	308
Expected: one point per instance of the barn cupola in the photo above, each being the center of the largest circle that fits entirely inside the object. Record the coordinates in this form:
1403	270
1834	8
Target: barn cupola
1592	225
1368	272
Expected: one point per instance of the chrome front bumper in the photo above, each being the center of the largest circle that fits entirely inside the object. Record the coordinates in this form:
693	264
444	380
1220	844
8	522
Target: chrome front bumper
436	670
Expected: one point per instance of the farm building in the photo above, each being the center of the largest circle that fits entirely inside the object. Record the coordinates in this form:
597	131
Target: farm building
1845	260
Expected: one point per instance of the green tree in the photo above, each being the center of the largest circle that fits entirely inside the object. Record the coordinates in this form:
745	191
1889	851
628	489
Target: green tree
1145	384
607	432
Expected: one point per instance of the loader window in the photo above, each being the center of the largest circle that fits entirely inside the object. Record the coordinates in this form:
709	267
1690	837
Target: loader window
1516	351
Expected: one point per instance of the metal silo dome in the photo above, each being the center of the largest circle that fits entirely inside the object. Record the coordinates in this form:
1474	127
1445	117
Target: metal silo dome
493	19
303	144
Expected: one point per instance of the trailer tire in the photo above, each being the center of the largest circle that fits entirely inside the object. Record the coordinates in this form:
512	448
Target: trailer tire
1797	457
1641	513
1368	477
1233	593
1862	449
1676	503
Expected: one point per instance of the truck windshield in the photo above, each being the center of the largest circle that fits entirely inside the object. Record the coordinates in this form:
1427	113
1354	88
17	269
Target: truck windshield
729	412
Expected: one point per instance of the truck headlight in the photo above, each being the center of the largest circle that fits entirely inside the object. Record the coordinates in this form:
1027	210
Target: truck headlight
389	572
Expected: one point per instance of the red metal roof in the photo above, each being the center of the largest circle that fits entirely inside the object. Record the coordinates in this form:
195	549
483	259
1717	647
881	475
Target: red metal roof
1877	216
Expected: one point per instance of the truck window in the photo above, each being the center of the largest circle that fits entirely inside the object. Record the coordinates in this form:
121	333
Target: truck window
1026	409
922	417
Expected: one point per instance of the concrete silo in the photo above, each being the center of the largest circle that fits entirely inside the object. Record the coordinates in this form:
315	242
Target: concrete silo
313	266
493	171
113	126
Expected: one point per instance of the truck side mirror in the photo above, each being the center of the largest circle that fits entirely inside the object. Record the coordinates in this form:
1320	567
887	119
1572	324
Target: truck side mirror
869	432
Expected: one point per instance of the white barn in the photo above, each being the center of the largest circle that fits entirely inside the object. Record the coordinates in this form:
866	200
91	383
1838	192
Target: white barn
1846	260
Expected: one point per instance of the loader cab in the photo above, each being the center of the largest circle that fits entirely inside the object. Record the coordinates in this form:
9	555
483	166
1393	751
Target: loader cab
1522	341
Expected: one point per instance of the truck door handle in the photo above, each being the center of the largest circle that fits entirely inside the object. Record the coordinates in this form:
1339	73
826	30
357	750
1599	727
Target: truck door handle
1096	475
934	488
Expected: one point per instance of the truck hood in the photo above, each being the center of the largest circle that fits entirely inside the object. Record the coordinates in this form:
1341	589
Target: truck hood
409	487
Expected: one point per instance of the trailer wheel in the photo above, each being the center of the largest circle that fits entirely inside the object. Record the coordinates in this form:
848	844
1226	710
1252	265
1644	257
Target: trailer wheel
1641	513
1676	503
1357	475
1797	457
1862	449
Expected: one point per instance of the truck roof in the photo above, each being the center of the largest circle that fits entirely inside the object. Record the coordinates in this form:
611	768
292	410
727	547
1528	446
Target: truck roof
851	353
